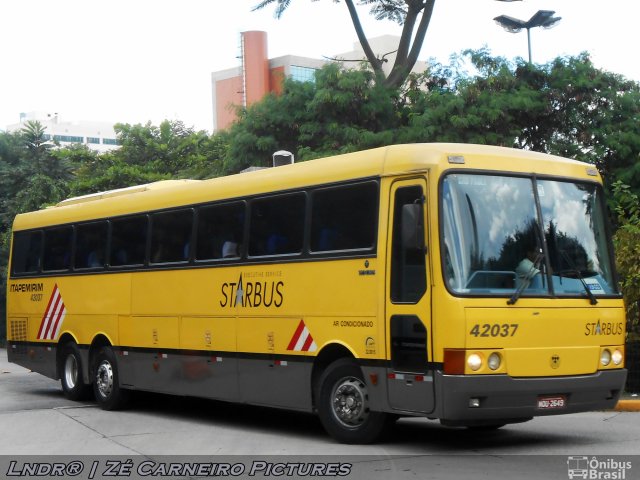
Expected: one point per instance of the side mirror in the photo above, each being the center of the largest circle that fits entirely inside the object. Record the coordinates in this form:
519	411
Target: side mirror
412	233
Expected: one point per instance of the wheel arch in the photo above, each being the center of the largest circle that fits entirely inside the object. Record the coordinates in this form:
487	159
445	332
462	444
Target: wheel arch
63	340
327	355
99	341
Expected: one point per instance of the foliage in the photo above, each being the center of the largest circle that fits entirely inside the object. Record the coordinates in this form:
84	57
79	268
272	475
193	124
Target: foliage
566	107
627	244
167	149
31	173
150	153
342	111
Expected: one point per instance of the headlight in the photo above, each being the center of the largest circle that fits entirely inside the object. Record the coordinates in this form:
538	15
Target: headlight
617	357
494	361
474	361
605	357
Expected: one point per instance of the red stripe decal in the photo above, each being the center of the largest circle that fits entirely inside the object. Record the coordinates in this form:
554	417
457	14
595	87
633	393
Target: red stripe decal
46	312
307	343
58	319
296	336
54	316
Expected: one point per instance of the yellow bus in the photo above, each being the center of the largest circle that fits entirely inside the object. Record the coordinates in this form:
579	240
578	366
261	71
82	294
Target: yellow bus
470	284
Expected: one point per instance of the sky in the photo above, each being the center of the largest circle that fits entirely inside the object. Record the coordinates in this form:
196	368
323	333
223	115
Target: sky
134	61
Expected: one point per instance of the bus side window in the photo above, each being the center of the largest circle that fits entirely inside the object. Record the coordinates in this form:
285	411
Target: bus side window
27	252
220	231
171	236
277	225
128	241
57	249
344	218
91	245
408	263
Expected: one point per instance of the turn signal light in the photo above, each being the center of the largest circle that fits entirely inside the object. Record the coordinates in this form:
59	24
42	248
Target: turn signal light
454	361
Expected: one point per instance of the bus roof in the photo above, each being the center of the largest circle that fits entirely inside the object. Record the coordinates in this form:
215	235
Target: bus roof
122	191
379	162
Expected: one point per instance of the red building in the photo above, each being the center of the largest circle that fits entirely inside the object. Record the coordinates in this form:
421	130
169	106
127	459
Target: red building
256	76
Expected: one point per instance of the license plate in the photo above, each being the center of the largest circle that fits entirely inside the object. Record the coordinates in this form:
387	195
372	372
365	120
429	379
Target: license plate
552	403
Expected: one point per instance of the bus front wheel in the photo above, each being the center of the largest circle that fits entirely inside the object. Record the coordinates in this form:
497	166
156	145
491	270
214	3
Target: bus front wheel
106	381
343	404
71	379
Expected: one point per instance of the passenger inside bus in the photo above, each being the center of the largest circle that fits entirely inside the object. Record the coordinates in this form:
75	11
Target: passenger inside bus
528	267
230	249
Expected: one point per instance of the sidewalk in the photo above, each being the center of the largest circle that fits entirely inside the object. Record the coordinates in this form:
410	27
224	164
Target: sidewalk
628	403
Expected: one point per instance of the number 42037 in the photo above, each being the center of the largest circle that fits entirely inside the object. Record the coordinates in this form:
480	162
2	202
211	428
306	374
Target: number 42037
494	330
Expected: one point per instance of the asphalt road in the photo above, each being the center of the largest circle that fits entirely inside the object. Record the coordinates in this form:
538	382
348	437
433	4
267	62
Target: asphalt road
36	420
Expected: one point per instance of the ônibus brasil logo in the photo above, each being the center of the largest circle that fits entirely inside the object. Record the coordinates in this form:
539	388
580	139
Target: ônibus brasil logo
596	468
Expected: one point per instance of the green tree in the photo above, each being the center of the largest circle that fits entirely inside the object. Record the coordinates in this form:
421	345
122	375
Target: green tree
627	244
11	152
34	175
170	148
597	116
11	148
485	108
150	153
342	111
165	149
413	15
567	107
109	172
35	139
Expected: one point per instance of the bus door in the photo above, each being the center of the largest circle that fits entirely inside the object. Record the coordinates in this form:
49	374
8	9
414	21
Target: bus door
408	306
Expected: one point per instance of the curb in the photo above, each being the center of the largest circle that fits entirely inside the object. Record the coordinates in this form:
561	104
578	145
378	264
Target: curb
628	406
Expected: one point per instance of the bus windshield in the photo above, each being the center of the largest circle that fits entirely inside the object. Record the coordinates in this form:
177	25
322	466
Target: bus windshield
536	237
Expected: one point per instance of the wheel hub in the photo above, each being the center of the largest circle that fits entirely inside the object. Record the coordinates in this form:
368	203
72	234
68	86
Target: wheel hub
104	379
350	402
71	372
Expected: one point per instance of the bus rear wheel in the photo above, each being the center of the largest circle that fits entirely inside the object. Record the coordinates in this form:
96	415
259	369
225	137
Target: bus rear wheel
106	381
343	404
71	379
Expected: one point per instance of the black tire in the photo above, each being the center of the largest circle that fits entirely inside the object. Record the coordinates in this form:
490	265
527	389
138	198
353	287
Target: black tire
106	381
71	377
343	405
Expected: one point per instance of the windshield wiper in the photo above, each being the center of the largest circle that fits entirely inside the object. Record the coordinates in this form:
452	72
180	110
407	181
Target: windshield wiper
526	281
592	298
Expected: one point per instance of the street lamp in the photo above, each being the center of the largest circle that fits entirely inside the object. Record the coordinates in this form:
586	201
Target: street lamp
542	18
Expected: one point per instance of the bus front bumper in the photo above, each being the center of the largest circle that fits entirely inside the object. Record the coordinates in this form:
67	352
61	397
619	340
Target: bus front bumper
491	399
